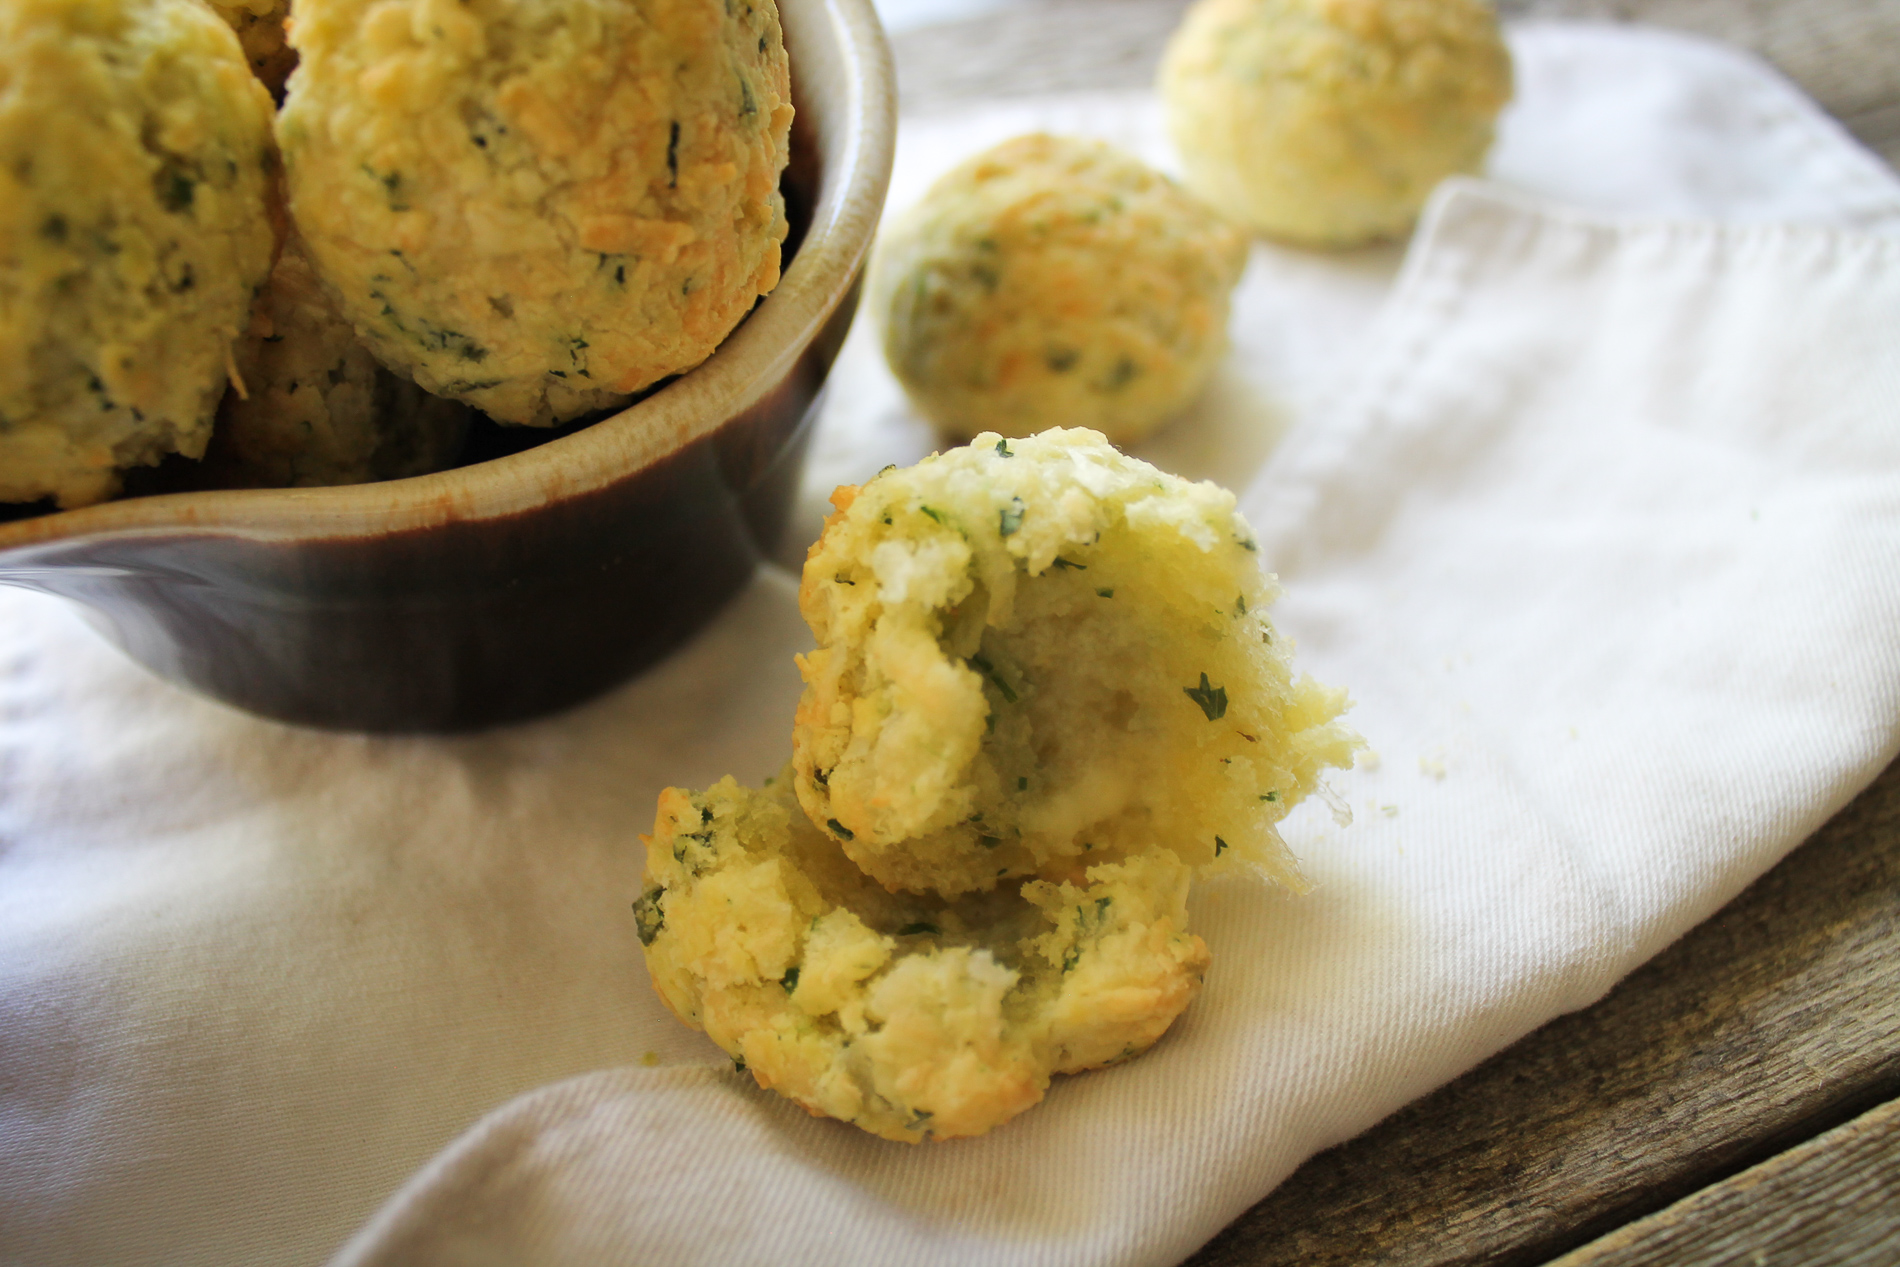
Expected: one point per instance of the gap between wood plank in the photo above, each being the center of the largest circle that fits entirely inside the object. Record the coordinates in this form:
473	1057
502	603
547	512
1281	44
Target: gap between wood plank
1834	1200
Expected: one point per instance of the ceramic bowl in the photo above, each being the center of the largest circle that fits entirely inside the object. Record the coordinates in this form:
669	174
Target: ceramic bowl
519	585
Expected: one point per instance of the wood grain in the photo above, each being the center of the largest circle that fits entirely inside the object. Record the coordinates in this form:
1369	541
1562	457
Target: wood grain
1843	53
1775	1021
1834	1200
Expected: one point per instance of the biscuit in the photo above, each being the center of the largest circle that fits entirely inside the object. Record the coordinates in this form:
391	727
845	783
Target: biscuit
1034	655
1053	279
1329	122
539	209
318	408
912	1017
135	151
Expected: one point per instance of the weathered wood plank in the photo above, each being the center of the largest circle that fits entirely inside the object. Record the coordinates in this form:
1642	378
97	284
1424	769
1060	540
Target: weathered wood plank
1773	1021
1844	53
1048	46
1832	1202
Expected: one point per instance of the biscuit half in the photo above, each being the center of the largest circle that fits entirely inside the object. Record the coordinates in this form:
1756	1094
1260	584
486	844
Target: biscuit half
1039	654
911	1016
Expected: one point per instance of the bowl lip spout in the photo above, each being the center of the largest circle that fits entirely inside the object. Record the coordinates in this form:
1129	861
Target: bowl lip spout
852	58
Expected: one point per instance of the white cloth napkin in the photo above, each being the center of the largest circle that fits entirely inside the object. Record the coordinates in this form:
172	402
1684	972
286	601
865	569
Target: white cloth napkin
1605	537
1615	120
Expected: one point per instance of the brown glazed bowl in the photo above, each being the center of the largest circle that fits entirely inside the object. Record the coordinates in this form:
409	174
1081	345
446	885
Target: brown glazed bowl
516	586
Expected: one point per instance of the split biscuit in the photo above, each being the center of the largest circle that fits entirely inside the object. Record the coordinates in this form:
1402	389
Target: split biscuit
913	1017
1037	654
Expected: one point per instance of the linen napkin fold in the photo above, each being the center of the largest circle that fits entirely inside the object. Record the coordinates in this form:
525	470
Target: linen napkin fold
1604	541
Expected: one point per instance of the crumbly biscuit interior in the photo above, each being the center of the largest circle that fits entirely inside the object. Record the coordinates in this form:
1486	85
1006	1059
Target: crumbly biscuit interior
1045	695
911	1016
1035	654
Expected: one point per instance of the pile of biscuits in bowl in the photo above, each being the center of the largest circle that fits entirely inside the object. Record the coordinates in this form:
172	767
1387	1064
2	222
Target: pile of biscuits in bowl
466	229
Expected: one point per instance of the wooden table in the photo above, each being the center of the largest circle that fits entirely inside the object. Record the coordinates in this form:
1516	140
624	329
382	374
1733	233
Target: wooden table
1734	1100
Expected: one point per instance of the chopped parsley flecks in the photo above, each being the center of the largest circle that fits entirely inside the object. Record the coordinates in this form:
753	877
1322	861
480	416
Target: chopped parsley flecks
839	829
1220	846
1002	449
1107	593
1069	565
934	513
1247	544
1211	698
175	190
649	915
1271	796
988	670
790	979
919	929
1240	605
1022	783
1010	517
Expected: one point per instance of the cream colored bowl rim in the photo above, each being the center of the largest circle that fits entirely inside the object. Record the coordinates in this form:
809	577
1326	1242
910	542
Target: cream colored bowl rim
757	356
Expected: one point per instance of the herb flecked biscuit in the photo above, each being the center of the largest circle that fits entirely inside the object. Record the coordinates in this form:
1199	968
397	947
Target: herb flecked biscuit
134	154
913	1017
318	408
1037	654
1054	278
539	208
1329	122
